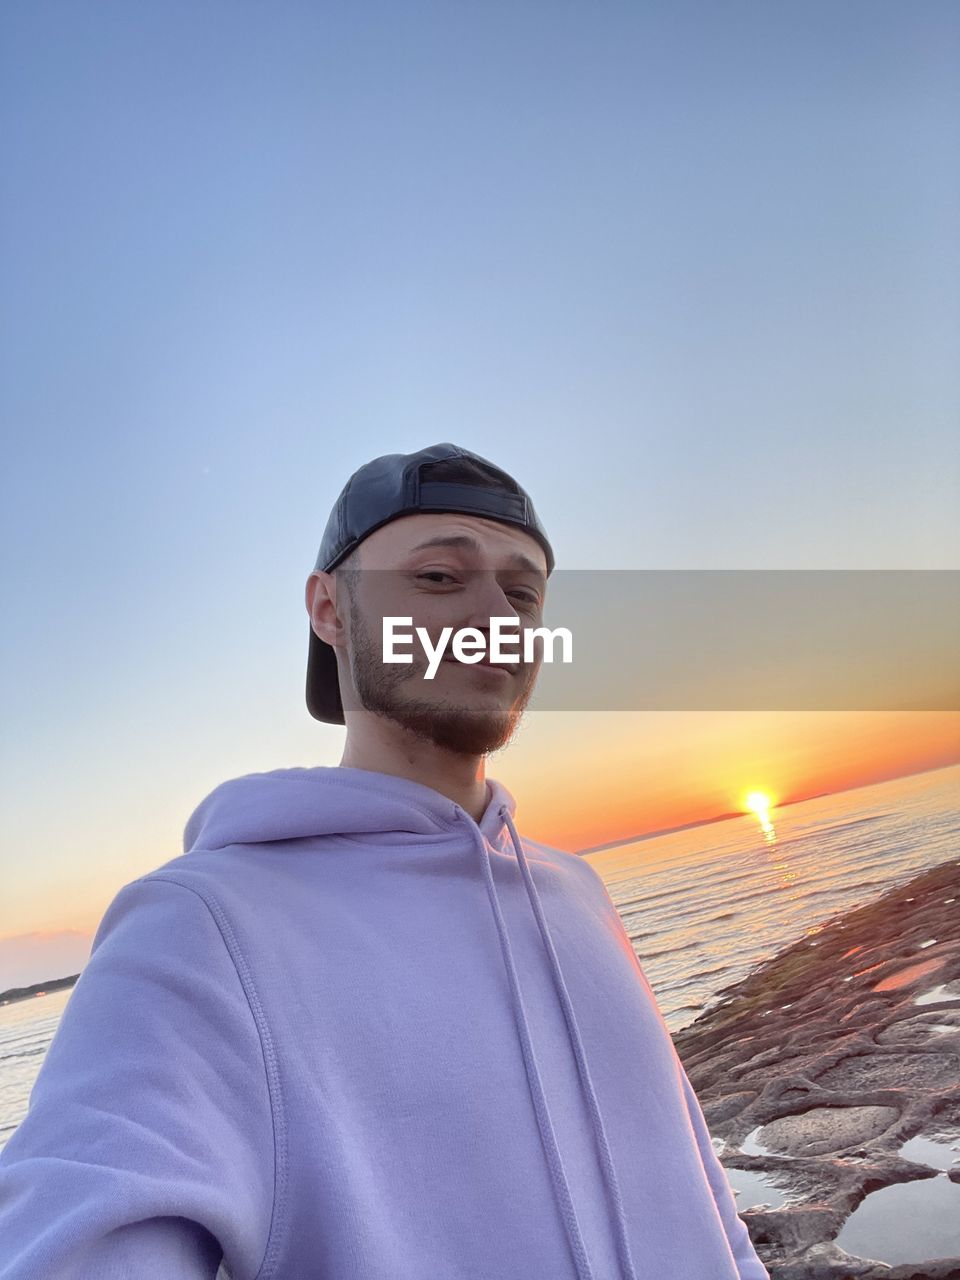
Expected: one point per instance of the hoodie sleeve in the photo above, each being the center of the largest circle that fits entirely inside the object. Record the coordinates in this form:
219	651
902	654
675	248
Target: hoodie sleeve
749	1266
747	1260
148	1146
745	1255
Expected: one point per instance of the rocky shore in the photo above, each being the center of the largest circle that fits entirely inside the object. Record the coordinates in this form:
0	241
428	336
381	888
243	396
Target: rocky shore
817	1069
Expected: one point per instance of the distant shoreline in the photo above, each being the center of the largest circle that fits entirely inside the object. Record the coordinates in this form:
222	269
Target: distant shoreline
38	988
668	831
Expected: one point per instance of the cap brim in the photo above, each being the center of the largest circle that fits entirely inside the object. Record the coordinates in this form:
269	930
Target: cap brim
323	682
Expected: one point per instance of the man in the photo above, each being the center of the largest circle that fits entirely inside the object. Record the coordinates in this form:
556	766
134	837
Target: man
361	1029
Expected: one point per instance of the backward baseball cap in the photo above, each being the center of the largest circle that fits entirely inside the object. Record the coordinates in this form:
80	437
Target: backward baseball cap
443	477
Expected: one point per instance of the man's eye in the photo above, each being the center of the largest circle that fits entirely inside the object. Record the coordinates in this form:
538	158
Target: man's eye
525	596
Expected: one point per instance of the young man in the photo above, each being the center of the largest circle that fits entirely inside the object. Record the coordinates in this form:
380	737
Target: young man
361	1029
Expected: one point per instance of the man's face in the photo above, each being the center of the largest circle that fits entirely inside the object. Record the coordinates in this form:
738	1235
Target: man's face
446	571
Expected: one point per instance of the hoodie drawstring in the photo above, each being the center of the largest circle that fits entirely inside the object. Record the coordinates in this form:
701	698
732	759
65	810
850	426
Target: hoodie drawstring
547	1135
600	1133
554	1160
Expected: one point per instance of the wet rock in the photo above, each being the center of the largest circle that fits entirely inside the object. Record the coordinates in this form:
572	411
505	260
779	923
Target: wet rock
830	1088
826	1129
723	1108
868	1070
922	1028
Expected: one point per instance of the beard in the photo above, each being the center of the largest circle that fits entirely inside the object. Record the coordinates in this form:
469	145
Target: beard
453	726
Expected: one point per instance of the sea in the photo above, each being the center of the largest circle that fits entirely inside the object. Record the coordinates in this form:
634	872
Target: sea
702	906
706	905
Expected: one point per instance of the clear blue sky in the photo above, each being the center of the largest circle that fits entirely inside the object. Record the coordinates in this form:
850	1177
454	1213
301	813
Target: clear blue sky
688	270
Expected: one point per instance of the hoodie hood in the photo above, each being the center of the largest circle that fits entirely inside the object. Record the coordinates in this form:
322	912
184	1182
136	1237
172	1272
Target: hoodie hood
293	804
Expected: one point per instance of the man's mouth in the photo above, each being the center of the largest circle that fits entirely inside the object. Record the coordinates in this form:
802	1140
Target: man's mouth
507	668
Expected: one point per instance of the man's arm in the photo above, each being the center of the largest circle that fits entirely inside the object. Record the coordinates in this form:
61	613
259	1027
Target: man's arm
148	1146
745	1255
748	1263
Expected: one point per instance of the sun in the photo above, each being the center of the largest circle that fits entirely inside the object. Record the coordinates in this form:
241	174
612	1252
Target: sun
760	803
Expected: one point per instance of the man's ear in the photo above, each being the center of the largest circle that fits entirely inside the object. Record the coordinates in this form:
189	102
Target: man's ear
321	601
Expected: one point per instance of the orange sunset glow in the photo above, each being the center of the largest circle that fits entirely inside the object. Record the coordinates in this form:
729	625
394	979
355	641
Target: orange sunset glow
644	772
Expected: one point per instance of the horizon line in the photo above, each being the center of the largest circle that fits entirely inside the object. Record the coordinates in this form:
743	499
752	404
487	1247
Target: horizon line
742	813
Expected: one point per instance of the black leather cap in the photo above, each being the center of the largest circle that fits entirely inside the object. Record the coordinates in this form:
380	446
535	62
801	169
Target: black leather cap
399	484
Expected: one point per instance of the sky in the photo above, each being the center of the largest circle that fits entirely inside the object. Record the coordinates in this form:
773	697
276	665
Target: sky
688	271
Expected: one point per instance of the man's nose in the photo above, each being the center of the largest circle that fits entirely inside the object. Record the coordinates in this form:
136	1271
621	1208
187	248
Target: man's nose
487	600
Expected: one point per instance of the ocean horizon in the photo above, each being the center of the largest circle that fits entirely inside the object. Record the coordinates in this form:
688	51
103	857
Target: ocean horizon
705	905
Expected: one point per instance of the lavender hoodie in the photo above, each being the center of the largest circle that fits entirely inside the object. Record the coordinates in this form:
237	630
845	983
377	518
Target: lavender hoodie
351	1034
